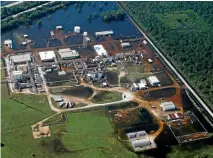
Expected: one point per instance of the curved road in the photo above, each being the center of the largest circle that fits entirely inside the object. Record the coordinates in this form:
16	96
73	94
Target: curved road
174	70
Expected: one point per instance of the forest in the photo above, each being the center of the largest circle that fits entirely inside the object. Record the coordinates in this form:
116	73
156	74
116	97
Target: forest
26	19
184	33
8	11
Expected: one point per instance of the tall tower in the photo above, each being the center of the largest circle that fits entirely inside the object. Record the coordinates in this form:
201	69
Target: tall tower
85	39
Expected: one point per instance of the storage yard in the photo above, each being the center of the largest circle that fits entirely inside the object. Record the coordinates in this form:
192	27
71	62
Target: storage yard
80	71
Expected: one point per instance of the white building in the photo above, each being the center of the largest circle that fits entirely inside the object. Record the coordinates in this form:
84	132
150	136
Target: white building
150	60
59	27
167	106
47	55
77	29
8	43
67	53
141	143
104	33
125	44
153	80
145	42
100	50
25	35
21	58
18	75
142	86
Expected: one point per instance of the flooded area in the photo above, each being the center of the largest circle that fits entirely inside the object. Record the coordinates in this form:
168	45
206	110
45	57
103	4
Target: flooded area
77	91
68	19
130	118
161	93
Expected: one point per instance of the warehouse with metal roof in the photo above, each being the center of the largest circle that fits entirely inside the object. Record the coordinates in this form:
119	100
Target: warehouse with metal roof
167	106
67	54
22	58
153	80
47	56
100	50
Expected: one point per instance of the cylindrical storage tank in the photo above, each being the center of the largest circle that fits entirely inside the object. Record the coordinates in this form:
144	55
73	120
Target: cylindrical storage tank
141	143
85	34
77	29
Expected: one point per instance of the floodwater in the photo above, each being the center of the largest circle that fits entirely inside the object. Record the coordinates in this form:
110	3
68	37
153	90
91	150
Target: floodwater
161	93
68	19
77	91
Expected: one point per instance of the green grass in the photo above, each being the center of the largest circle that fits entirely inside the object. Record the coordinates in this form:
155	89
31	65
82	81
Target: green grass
106	97
17	119
89	134
183	20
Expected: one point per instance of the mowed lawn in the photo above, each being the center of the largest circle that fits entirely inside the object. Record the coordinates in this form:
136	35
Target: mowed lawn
86	134
90	134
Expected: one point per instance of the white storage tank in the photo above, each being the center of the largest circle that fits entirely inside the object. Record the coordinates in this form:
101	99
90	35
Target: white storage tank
77	29
85	34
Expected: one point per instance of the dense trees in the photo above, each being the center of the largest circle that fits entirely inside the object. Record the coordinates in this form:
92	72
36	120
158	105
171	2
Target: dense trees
26	19
190	48
8	11
113	15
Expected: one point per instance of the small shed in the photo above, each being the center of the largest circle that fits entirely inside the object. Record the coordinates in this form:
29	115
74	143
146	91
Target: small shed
58	98
59	27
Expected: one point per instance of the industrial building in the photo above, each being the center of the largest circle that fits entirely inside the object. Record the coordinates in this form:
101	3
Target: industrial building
175	116
134	87
77	29
141	143
104	33
150	60
67	54
100	50
153	80
135	135
145	42
8	43
167	106
59	27
142	86
23	68
95	76
18	75
47	56
125	45
22	58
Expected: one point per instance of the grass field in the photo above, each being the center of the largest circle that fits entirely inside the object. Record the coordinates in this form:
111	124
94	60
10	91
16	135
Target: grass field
183	20
86	134
106	97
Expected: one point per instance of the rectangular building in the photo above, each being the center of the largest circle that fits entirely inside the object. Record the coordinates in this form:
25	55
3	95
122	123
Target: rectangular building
100	50
167	106
47	56
125	44
67	54
153	80
22	58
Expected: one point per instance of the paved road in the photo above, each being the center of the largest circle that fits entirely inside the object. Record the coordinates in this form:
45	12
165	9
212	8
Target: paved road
31	9
12	4
175	71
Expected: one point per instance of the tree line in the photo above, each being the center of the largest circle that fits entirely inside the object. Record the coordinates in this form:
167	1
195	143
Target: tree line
8	11
190	50
26	19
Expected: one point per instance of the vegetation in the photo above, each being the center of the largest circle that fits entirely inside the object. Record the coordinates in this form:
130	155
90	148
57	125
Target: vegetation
39	23
8	11
113	15
106	97
183	31
26	19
